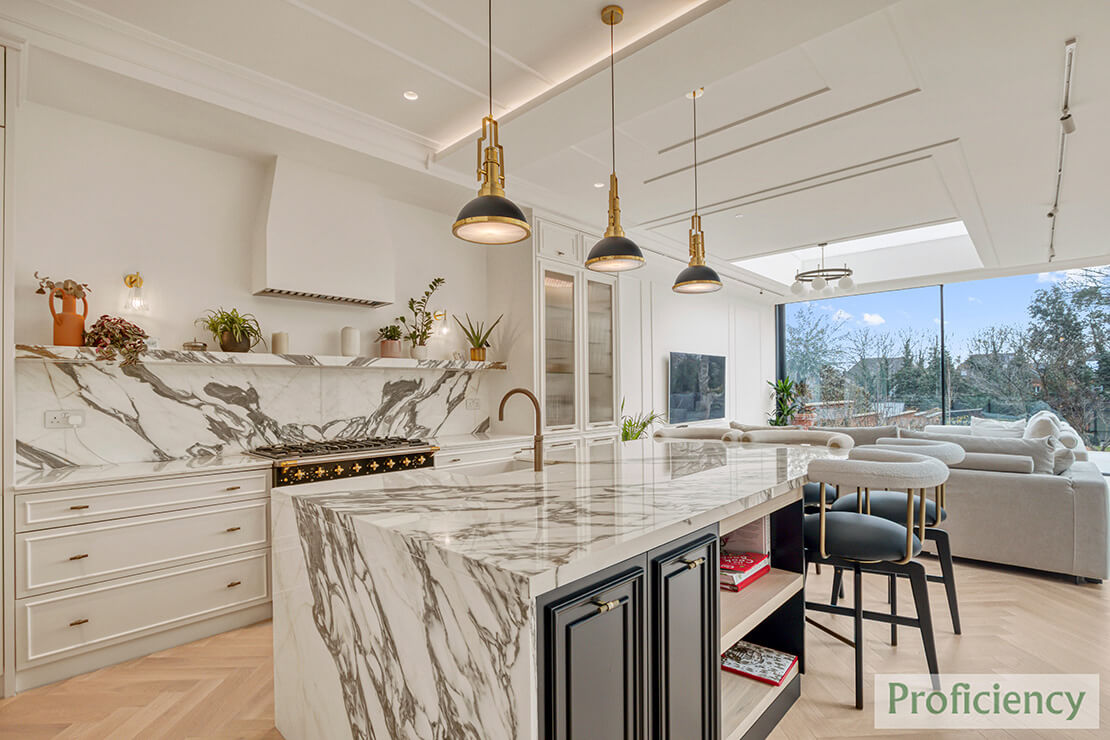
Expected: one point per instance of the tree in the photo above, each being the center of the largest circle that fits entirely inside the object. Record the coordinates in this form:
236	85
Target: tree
814	342
1061	352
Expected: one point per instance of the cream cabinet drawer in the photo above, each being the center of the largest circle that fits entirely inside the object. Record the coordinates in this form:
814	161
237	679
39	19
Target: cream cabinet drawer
450	459
61	558
558	242
78	620
96	503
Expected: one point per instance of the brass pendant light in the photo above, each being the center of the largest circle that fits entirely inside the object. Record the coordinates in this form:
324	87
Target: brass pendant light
491	218
698	277
614	252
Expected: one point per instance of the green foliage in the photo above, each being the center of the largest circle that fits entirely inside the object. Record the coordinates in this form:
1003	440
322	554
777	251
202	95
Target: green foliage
420	330
789	401
476	334
391	332
238	325
633	427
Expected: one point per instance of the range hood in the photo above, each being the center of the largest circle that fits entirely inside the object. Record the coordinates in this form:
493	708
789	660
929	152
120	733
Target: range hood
321	236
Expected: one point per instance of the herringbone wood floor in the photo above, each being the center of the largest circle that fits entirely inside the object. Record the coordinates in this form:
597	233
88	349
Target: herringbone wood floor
221	688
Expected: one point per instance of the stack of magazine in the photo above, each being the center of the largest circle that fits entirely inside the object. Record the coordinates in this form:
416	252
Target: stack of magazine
758	662
740	569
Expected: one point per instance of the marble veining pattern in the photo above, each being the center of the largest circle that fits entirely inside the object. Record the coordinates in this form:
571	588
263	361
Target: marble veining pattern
413	598
161	412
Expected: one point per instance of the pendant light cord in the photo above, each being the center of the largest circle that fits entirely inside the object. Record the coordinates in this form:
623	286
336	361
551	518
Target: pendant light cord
490	27
612	103
695	152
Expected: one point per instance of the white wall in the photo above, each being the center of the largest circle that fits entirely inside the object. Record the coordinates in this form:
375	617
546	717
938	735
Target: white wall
95	201
729	323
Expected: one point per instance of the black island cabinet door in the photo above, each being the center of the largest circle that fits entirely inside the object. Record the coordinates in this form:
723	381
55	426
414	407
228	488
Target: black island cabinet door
594	658
685	638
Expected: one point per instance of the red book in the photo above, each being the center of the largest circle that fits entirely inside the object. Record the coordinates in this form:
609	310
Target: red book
753	576
758	662
741	565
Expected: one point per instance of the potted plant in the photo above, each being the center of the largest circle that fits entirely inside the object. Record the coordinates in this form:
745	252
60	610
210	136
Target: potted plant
69	326
788	396
420	330
389	341
111	334
634	427
478	336
236	332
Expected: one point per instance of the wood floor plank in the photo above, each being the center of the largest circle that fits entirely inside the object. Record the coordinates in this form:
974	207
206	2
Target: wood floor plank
221	688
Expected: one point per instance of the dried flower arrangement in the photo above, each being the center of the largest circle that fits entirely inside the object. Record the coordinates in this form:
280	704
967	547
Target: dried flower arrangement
66	287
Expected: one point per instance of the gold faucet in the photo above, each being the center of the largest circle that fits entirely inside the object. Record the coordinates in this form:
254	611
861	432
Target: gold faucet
537	447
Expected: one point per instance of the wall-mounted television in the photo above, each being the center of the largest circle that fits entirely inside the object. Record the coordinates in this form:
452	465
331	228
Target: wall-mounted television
697	388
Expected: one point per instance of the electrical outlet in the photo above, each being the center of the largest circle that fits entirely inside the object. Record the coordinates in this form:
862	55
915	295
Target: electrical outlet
63	419
473	404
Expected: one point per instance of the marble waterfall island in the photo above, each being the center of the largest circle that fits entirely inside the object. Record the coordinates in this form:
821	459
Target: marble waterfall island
405	604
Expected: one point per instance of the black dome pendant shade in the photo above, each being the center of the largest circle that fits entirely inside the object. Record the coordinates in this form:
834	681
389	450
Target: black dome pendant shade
491	218
697	277
615	252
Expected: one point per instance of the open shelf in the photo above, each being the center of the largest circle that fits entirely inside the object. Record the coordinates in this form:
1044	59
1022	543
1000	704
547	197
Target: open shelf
744	700
741	611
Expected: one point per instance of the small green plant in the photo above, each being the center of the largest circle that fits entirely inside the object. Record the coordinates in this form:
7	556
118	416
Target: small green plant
788	396
477	334
239	326
633	427
389	333
420	330
111	334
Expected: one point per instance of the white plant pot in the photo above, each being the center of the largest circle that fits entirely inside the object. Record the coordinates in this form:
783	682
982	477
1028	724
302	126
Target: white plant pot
419	352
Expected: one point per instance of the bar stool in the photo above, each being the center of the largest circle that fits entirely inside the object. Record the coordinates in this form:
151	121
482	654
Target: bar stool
852	539
889	505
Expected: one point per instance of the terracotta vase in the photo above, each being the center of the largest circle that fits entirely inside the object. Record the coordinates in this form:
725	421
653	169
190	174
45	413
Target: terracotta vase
69	326
390	347
228	343
478	354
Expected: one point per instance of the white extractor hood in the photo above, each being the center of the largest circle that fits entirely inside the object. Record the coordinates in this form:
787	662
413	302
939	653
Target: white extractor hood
321	236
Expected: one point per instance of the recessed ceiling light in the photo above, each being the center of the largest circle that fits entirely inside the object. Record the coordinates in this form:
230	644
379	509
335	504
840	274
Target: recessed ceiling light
599	184
739	215
411	95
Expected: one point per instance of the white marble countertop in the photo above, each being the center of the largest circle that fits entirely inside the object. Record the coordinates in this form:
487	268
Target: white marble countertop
27	480
480	439
572	519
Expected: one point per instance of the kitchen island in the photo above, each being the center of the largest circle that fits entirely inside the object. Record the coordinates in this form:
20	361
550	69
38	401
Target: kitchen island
501	603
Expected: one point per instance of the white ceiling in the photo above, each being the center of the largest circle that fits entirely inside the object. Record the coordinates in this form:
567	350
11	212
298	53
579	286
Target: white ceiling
821	121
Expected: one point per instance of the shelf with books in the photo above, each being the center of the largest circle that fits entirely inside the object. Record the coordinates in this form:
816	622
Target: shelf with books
743	701
741	611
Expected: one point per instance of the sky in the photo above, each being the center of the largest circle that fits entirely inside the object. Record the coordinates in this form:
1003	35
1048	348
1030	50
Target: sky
968	307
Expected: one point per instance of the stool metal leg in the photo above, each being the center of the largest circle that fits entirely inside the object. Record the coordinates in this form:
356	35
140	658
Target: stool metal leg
892	595
920	585
944	554
857	586
837	586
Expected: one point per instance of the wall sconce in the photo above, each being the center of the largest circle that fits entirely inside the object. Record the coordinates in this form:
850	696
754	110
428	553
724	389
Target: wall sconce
441	316
135	302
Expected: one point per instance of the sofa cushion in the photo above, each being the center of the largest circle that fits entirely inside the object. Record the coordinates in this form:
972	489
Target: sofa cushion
1070	439
996	463
863	435
757	427
858	536
1062	458
996	428
1041	426
891	505
1040	450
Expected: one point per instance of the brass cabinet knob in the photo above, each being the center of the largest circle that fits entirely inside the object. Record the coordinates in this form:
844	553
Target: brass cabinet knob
82	556
232	529
607	606
78	507
233	584
691	564
233	488
77	622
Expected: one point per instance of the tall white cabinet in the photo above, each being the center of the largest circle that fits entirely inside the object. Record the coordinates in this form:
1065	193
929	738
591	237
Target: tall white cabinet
578	334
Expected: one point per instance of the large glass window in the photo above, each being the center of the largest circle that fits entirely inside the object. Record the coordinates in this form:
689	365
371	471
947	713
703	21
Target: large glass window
1011	347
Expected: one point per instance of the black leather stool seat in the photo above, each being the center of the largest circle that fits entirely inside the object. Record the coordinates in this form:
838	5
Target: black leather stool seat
892	505
810	492
859	536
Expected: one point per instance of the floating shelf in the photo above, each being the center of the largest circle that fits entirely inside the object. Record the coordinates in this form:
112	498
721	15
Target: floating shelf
249	359
744	700
742	610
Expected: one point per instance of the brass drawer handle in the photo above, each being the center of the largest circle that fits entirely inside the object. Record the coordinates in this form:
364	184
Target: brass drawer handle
607	606
233	584
233	488
691	564
78	507
455	459
77	622
82	556
232	529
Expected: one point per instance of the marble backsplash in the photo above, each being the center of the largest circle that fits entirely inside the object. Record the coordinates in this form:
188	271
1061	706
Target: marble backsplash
156	412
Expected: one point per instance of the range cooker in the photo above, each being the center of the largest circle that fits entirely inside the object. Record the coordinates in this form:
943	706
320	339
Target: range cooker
329	460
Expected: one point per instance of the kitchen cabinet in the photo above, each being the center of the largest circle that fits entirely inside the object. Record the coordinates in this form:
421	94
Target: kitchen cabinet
578	324
631	652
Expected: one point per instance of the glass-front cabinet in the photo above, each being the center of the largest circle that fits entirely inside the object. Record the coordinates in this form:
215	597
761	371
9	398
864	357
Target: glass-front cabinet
578	347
